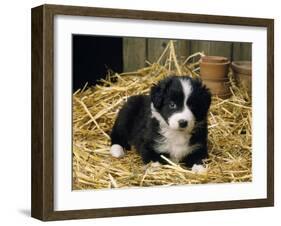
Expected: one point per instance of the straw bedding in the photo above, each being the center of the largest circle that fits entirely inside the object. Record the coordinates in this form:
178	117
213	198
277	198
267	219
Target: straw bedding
94	112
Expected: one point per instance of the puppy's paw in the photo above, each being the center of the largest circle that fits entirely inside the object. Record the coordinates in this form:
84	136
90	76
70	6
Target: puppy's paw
155	164
200	169
117	151
152	166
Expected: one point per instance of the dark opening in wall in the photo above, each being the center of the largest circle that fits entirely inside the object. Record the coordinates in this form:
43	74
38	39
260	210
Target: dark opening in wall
93	56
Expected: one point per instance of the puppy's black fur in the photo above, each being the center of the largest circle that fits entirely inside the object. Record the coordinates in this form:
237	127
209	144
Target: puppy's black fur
136	126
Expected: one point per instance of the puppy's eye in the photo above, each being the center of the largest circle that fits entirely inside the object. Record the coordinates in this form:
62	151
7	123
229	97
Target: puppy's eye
172	105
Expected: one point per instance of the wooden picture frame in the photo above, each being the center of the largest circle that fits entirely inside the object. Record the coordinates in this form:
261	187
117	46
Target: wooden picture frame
42	203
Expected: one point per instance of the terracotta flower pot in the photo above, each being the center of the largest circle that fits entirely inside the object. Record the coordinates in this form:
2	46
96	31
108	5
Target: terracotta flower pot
214	73
214	59
219	88
214	67
242	71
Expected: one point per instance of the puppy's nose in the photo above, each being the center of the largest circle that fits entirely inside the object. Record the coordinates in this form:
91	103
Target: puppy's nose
182	123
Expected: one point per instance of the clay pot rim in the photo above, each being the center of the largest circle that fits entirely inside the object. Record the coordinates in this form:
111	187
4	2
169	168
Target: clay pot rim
214	64
210	79
214	59
242	67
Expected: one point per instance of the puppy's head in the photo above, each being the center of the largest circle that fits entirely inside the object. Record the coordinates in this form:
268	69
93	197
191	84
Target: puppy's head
180	102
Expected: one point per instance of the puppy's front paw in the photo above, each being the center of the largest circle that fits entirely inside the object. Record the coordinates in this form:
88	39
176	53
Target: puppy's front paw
200	169
152	166
155	164
117	151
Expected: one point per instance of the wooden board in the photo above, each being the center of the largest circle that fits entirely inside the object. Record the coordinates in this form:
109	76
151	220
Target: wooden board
212	48
155	48
242	51
134	53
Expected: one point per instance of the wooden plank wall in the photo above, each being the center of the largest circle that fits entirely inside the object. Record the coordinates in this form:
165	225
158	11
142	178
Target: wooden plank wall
137	50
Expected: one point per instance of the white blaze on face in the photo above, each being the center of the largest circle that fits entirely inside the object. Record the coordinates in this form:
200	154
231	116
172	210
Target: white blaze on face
186	113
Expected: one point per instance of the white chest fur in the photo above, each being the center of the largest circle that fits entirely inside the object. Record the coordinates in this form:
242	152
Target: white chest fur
175	143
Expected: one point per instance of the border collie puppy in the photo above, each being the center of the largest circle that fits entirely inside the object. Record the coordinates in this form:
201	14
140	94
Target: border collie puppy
171	121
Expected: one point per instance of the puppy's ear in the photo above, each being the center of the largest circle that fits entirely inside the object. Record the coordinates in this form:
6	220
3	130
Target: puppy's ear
157	92
200	99
206	97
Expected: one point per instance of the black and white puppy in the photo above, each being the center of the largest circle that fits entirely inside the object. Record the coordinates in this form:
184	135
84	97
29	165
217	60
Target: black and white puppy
171	121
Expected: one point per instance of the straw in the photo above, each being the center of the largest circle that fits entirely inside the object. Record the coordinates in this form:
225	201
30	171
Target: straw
95	109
